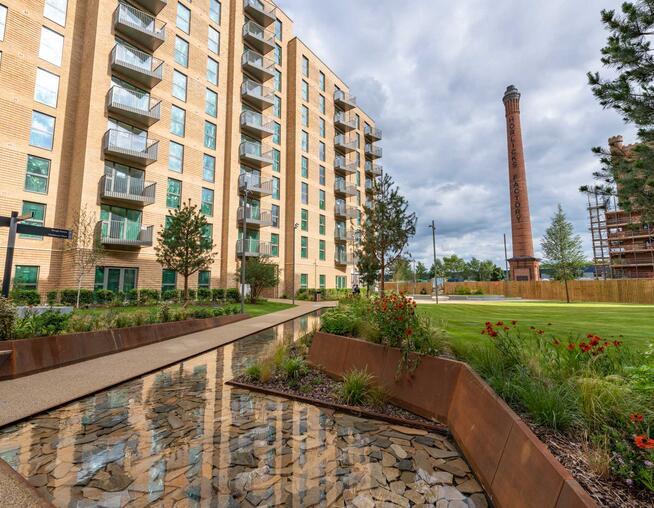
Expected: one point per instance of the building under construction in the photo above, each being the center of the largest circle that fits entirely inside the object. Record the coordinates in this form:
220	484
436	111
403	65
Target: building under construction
623	246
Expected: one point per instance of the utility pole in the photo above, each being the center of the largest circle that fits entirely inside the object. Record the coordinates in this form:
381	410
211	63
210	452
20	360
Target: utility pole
433	239
295	226
245	231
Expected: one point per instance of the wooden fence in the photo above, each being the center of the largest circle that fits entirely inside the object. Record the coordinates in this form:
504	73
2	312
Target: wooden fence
612	291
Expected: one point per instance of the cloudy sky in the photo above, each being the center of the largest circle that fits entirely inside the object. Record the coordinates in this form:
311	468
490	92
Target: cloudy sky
432	73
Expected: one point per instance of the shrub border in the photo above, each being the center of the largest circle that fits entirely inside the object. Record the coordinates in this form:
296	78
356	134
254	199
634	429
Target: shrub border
515	468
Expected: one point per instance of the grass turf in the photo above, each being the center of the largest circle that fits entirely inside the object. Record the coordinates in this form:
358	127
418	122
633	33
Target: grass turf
254	310
464	322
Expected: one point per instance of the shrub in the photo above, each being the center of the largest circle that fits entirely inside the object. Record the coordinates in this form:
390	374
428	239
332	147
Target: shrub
339	321
132	296
191	295
119	298
253	372
356	387
164	313
51	297
123	320
233	295
42	325
395	316
294	369
464	290
148	296
69	297
554	406
217	294
7	319
202	313
204	294
103	296
25	296
423	291
170	295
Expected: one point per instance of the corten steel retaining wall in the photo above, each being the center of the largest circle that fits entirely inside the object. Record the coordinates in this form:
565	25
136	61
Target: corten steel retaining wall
514	466
607	291
28	356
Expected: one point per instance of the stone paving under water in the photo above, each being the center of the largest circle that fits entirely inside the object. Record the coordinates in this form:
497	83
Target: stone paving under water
182	438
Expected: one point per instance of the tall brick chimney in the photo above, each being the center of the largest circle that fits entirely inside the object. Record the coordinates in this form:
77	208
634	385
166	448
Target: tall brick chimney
524	266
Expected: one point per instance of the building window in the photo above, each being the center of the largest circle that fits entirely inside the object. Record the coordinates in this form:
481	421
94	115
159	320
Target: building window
322	177
115	279
321	100
276	188
305	66
275	216
42	130
38	174
305	116
214	11
278	30
274	245
52	46
46	88
208	168
26	277
321	200
323	224
341	282
204	279
207	236
183	20
181	51
304	247
168	280
322	128
37	211
321	81
212	71
322	250
177	121
322	152
211	103
305	193
278	54
304	280
174	193
179	86
214	40
277	135
277	106
305	141
278	80
323	281
207	202
176	157
304	219
305	167
3	21
357	120
305	91
276	160
210	135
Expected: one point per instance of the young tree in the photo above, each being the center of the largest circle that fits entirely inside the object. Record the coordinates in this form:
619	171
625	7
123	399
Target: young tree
260	273
402	271
563	250
368	268
184	244
387	228
454	267
628	52
421	271
88	250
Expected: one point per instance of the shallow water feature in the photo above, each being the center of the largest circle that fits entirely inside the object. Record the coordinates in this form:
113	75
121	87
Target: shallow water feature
180	437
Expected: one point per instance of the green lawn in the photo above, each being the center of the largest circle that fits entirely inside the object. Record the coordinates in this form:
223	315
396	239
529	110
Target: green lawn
253	310
464	322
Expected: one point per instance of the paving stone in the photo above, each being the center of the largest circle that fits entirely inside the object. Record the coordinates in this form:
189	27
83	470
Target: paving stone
398	487
478	501
405	465
381	494
398	451
448	492
469	487
362	501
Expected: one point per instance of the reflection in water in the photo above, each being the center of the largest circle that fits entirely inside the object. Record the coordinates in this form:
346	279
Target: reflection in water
181	437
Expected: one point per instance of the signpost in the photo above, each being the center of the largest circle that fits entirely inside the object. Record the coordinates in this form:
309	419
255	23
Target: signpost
16	225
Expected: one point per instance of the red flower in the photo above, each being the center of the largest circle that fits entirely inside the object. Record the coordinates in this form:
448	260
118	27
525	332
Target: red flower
514	322
571	346
409	332
636	418
506	328
617	343
500	323
644	442
541	332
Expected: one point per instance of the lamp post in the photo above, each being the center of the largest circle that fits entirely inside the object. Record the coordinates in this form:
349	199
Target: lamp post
433	239
295	226
245	231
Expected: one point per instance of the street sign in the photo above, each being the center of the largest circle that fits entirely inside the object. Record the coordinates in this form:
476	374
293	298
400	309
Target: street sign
29	229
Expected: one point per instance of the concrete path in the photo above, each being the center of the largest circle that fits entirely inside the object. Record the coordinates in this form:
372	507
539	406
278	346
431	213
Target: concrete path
29	395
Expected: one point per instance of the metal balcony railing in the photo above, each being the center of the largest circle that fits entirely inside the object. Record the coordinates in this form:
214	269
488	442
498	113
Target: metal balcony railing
343	235
136	65
130	146
344	100
128	189
139	26
342	187
370	186
373	169
254	184
257	94
135	105
258	37
348	212
372	133
345	144
258	124
255	216
256	154
258	65
372	151
342	122
343	258
261	11
253	248
125	233
342	164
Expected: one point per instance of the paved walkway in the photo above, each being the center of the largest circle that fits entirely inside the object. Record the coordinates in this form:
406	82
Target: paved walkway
29	395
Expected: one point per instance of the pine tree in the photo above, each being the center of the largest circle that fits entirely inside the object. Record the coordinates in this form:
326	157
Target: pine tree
628	52
563	250
184	245
386	230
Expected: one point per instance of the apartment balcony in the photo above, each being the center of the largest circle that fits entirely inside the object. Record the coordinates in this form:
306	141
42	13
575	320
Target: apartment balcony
343	189
370	186
344	211
372	151
255	154
253	248
255	217
343	123
134	106
139	26
258	37
130	147
125	234
152	6
344	259
258	66
342	164
136	65
373	169
255	186
262	12
372	134
342	235
130	191
345	144
257	95
257	125
344	100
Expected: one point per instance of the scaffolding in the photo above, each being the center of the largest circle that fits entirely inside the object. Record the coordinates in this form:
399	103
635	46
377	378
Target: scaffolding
598	204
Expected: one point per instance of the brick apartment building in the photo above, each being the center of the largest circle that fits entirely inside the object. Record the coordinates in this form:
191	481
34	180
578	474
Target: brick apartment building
129	108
